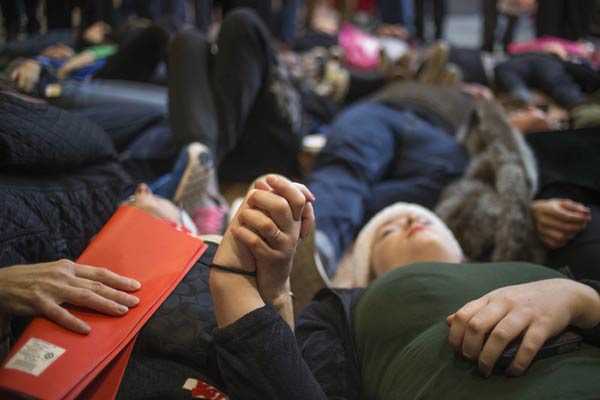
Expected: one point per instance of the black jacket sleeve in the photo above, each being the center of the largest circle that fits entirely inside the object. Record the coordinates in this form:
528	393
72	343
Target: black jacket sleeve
259	359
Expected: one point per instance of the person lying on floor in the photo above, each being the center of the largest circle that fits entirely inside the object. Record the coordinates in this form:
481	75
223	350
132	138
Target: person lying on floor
41	289
343	349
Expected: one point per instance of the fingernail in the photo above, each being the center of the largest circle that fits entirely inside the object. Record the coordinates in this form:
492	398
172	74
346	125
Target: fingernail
513	371
85	328
135	300
273	178
135	284
467	355
122	309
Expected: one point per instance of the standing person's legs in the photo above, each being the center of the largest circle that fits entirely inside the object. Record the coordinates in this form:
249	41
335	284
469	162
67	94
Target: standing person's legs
58	14
549	18
203	13
509	32
579	16
490	17
11	16
33	25
419	20
439	13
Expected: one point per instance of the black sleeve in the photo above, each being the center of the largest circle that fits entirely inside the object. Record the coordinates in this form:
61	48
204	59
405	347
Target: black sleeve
259	359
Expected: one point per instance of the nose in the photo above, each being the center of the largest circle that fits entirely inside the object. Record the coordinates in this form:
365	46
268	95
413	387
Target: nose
409	220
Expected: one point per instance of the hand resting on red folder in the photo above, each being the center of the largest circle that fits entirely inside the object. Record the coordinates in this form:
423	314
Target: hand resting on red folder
41	289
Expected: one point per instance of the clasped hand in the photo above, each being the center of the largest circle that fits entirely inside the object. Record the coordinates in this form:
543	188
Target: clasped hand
263	235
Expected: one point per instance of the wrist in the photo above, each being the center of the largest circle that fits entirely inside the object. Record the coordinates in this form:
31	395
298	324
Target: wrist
277	296
589	307
233	296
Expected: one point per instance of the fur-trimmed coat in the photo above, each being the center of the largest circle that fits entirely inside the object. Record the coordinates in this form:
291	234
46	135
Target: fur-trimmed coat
488	208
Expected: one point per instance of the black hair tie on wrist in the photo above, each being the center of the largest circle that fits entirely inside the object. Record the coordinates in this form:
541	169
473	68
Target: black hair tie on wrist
234	270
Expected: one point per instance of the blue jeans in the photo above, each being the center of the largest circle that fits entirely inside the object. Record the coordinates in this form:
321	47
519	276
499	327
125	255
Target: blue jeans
375	156
116	93
398	12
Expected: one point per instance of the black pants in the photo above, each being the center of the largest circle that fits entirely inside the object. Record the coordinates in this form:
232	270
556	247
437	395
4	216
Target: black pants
237	101
439	12
568	19
541	71
138	56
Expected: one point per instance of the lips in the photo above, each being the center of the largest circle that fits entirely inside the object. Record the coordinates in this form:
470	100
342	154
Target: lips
415	228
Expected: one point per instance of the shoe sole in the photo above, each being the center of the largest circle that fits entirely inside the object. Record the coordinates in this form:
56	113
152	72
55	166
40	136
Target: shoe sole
193	150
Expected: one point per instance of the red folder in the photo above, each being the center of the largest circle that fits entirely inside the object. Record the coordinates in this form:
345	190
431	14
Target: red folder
133	244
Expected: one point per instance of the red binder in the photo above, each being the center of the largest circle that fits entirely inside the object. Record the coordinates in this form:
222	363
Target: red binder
50	362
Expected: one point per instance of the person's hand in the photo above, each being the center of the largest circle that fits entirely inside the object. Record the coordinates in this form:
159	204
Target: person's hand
270	224
41	289
530	119
559	220
536	311
477	91
26	75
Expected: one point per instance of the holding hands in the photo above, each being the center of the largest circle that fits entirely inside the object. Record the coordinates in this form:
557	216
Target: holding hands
262	238
535	311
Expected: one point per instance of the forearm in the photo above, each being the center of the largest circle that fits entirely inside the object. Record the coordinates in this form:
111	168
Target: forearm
259	359
233	296
79	61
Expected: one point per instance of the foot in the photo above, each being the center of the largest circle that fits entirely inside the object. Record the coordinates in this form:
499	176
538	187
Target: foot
197	191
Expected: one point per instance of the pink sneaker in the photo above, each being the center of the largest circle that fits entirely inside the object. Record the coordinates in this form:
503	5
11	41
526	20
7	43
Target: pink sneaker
211	220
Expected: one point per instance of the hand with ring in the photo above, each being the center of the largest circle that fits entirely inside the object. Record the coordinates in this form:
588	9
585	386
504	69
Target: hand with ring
277	214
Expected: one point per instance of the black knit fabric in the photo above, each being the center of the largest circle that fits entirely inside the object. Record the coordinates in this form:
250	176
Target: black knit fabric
58	184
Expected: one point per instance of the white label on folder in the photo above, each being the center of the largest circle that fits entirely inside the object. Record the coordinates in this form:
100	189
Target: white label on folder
35	356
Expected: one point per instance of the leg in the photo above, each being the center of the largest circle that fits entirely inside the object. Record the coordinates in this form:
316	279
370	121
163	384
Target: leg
33	25
11	15
204	10
439	13
377	155
34	45
78	95
359	150
515	75
137	57
490	17
191	105
511	24
259	111
419	19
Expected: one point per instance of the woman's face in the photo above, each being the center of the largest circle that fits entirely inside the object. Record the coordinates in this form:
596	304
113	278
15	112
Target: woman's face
412	237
